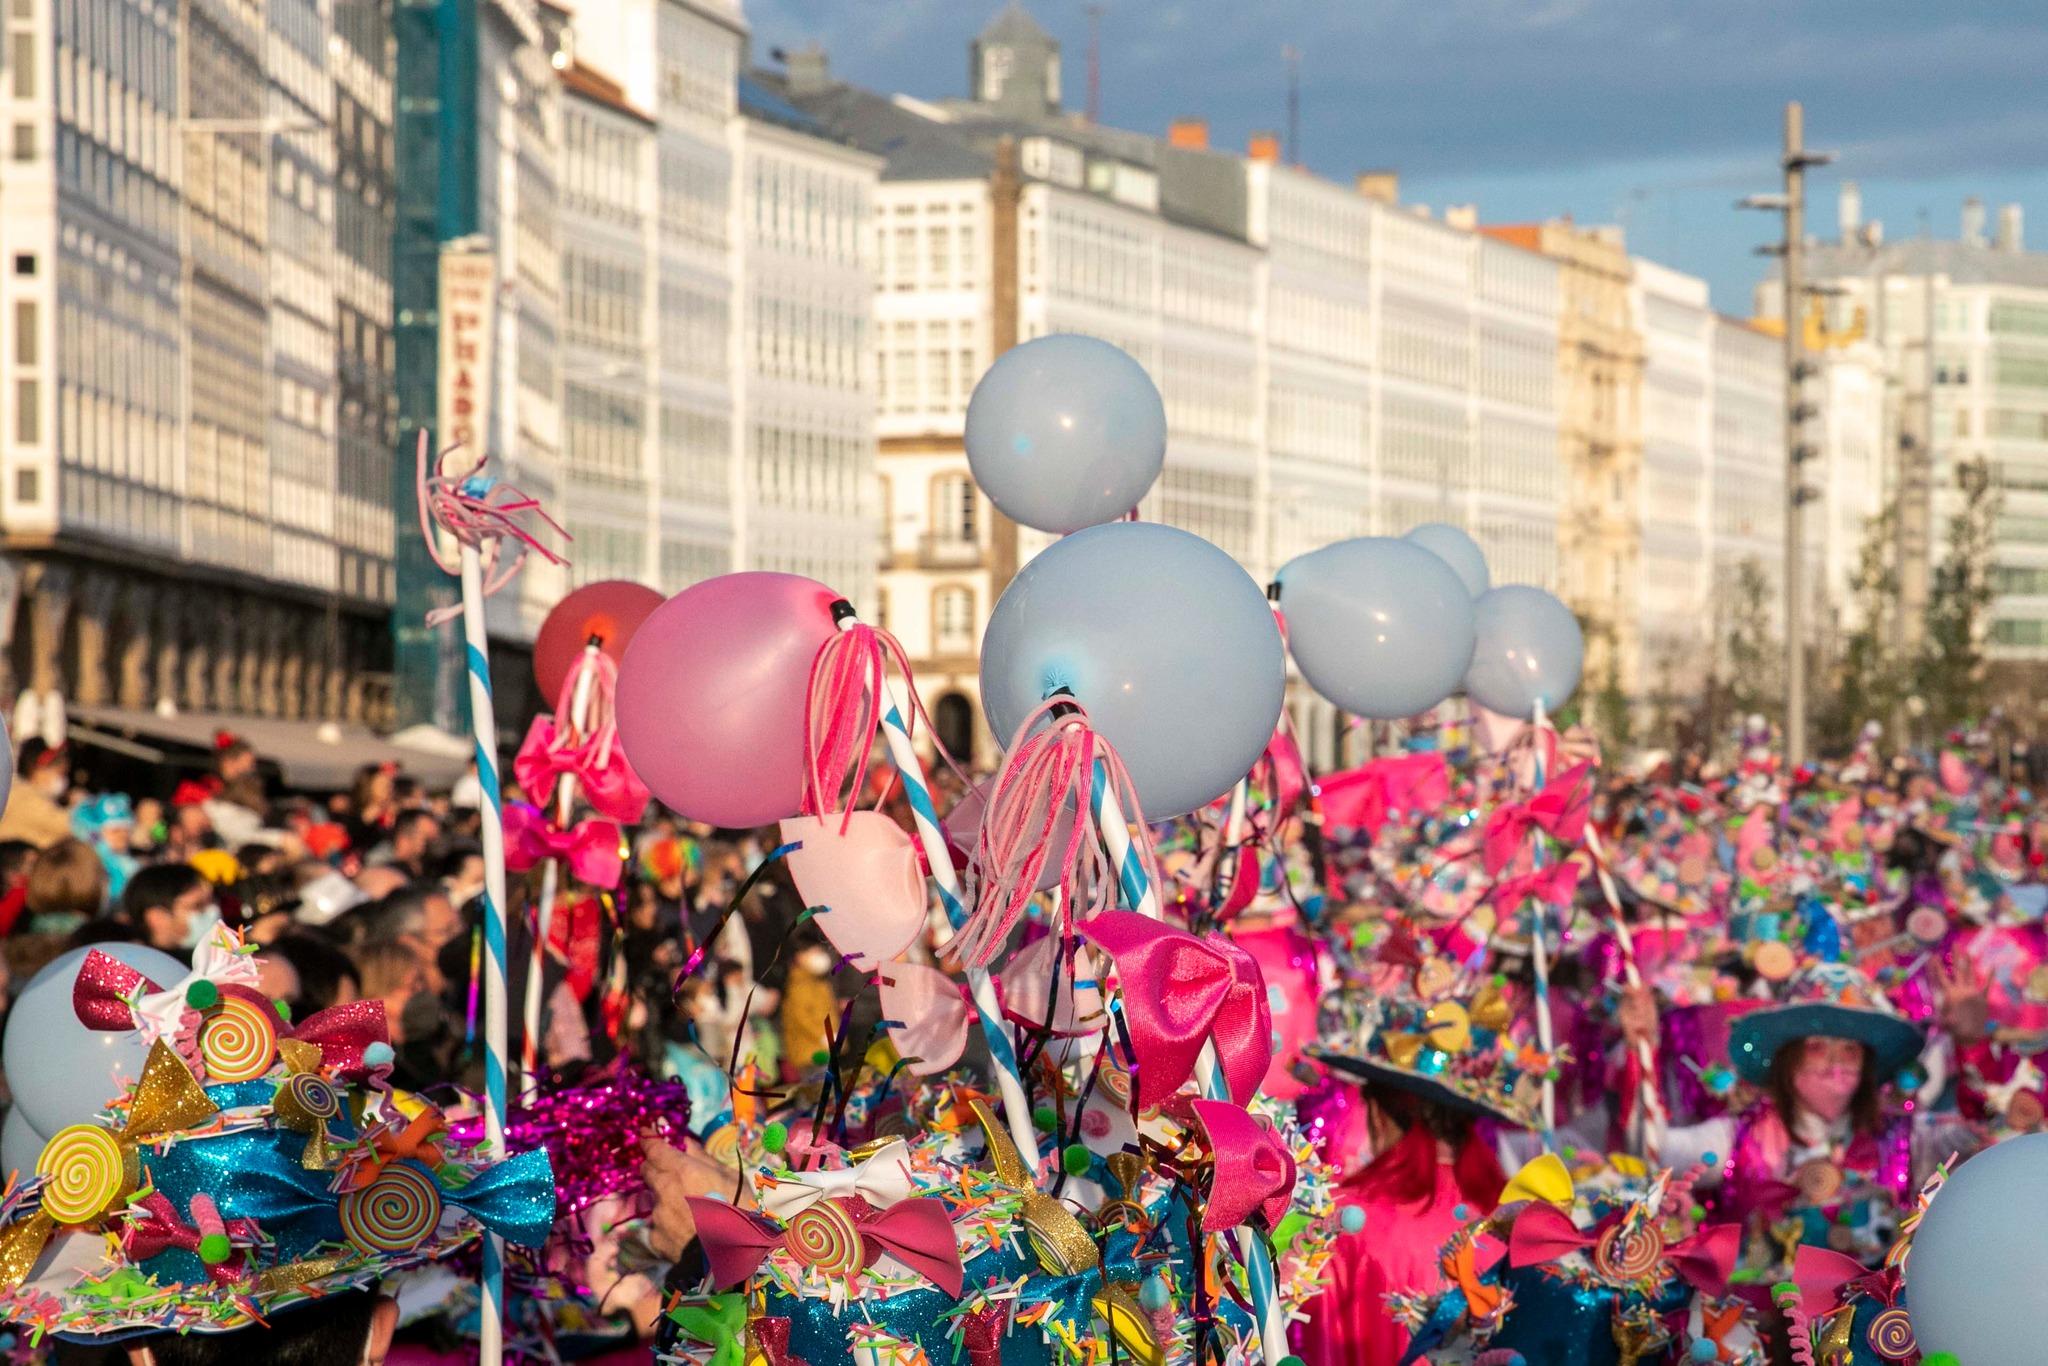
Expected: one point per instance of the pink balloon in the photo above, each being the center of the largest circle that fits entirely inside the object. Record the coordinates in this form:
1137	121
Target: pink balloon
929	1016
1287	959
712	692
1026	985
963	823
866	882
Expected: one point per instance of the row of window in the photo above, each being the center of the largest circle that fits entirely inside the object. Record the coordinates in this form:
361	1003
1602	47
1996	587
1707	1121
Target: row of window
812	340
815	212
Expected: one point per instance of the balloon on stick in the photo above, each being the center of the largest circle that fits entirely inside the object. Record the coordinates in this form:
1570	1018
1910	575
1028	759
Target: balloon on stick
1973	1278
1381	627
1165	640
60	1071
1065	432
608	611
1529	651
712	694
1456	549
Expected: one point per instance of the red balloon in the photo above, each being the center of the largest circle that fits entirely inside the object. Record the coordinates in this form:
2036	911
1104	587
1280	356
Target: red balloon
611	610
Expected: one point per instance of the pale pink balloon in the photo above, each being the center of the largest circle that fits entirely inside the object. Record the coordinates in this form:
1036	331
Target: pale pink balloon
1287	960
1026	986
929	1016
963	824
712	693
865	881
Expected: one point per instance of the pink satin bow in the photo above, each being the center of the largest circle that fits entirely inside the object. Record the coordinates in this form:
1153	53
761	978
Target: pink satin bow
1544	1233
160	1229
605	779
1553	886
1559	810
915	1232
590	848
1181	993
1253	1170
1367	797
342	1033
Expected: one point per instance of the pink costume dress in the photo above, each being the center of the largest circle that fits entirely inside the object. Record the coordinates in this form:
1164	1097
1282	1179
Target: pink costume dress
1395	1251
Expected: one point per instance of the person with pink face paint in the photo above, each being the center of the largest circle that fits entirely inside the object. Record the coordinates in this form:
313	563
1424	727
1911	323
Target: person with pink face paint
1824	1156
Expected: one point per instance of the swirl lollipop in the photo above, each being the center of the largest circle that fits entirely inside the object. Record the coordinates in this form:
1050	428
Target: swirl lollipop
1891	1335
238	1041
86	1171
395	1213
825	1236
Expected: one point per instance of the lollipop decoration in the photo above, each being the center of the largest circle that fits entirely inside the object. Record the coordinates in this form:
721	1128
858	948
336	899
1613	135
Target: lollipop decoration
482	515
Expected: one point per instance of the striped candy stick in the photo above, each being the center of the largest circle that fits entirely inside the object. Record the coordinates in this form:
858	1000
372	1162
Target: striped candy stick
931	838
1651	1111
1140	895
550	881
1539	960
484	725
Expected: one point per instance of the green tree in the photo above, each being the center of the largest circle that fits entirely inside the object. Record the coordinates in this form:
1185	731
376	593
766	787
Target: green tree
1950	673
1870	679
1750	644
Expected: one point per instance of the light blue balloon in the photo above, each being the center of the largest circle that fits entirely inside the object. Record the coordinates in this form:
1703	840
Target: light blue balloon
1529	650
1165	640
1973	1284
61	1072
1456	549
20	1144
1065	432
1381	627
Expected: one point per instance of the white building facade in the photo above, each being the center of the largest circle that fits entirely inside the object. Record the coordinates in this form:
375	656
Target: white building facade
1747	483
1675	585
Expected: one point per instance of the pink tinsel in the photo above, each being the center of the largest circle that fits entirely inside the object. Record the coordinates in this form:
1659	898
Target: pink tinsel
592	1133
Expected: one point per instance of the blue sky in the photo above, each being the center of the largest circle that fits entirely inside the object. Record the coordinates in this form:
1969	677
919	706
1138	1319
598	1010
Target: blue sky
1654	113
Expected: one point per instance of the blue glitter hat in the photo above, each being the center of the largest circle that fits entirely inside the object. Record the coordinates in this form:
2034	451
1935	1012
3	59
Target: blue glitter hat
196	1208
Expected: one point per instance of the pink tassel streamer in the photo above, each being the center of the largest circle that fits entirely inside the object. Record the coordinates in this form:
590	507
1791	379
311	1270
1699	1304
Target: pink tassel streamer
479	511
847	684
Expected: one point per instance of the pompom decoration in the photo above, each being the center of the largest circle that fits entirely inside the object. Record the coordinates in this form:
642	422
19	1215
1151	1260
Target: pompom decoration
395	1213
1352	1220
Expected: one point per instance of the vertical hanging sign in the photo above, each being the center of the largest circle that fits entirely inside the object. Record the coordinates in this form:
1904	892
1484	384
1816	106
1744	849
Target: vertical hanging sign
468	279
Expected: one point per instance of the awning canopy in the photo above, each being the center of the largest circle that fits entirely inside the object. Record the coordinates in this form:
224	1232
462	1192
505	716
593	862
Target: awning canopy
311	756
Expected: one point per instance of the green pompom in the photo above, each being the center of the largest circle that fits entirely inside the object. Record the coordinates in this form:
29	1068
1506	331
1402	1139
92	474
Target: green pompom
1699	1212
1292	1361
284	1011
775	1137
1045	1117
202	995
1940	1359
1074	1159
820	1058
215	1248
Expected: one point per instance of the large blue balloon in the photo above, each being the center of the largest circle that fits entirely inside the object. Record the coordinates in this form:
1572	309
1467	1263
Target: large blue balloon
1164	638
1973	1285
1456	549
20	1144
1381	627
1065	432
61	1072
1529	650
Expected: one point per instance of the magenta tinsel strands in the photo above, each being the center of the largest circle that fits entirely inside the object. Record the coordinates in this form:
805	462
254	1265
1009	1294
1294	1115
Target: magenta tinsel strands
592	1133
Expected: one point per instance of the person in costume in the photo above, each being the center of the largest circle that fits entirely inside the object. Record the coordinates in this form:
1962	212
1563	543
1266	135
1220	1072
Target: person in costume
1434	1060
1820	1157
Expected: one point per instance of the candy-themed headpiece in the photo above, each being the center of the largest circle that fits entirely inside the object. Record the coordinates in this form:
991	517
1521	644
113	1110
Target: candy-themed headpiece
1827	1000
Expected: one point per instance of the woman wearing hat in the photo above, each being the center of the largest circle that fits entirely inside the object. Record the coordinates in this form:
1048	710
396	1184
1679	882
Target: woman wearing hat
1820	1158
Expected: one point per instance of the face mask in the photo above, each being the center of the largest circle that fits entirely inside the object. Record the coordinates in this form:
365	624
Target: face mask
753	859
200	925
1826	1088
817	962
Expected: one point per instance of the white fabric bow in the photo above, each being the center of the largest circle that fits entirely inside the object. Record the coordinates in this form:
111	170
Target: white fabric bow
882	1179
218	960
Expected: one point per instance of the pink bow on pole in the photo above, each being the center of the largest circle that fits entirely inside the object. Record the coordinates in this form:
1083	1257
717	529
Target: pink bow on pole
1367	797
160	1229
1252	1171
589	848
478	511
1553	886
1543	1233
915	1232
607	780
1559	810
1179	994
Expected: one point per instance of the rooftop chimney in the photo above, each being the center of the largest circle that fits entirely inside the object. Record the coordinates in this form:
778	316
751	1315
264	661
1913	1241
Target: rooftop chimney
1189	134
2012	228
1385	186
1849	212
1264	146
1973	222
1464	216
808	71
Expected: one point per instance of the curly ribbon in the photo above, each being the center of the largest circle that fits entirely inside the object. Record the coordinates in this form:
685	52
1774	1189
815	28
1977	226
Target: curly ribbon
109	995
590	848
1179	993
1543	1234
1553	886
1054	764
166	1100
882	1179
477	511
1559	810
1787	1297
158	1229
1367	797
915	1232
605	778
418	1139
720	1324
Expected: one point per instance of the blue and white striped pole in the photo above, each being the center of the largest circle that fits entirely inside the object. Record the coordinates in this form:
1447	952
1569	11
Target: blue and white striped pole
1539	960
1142	897
484	724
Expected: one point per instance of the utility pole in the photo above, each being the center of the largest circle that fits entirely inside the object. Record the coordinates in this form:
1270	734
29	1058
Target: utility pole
1791	202
1292	56
1094	64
